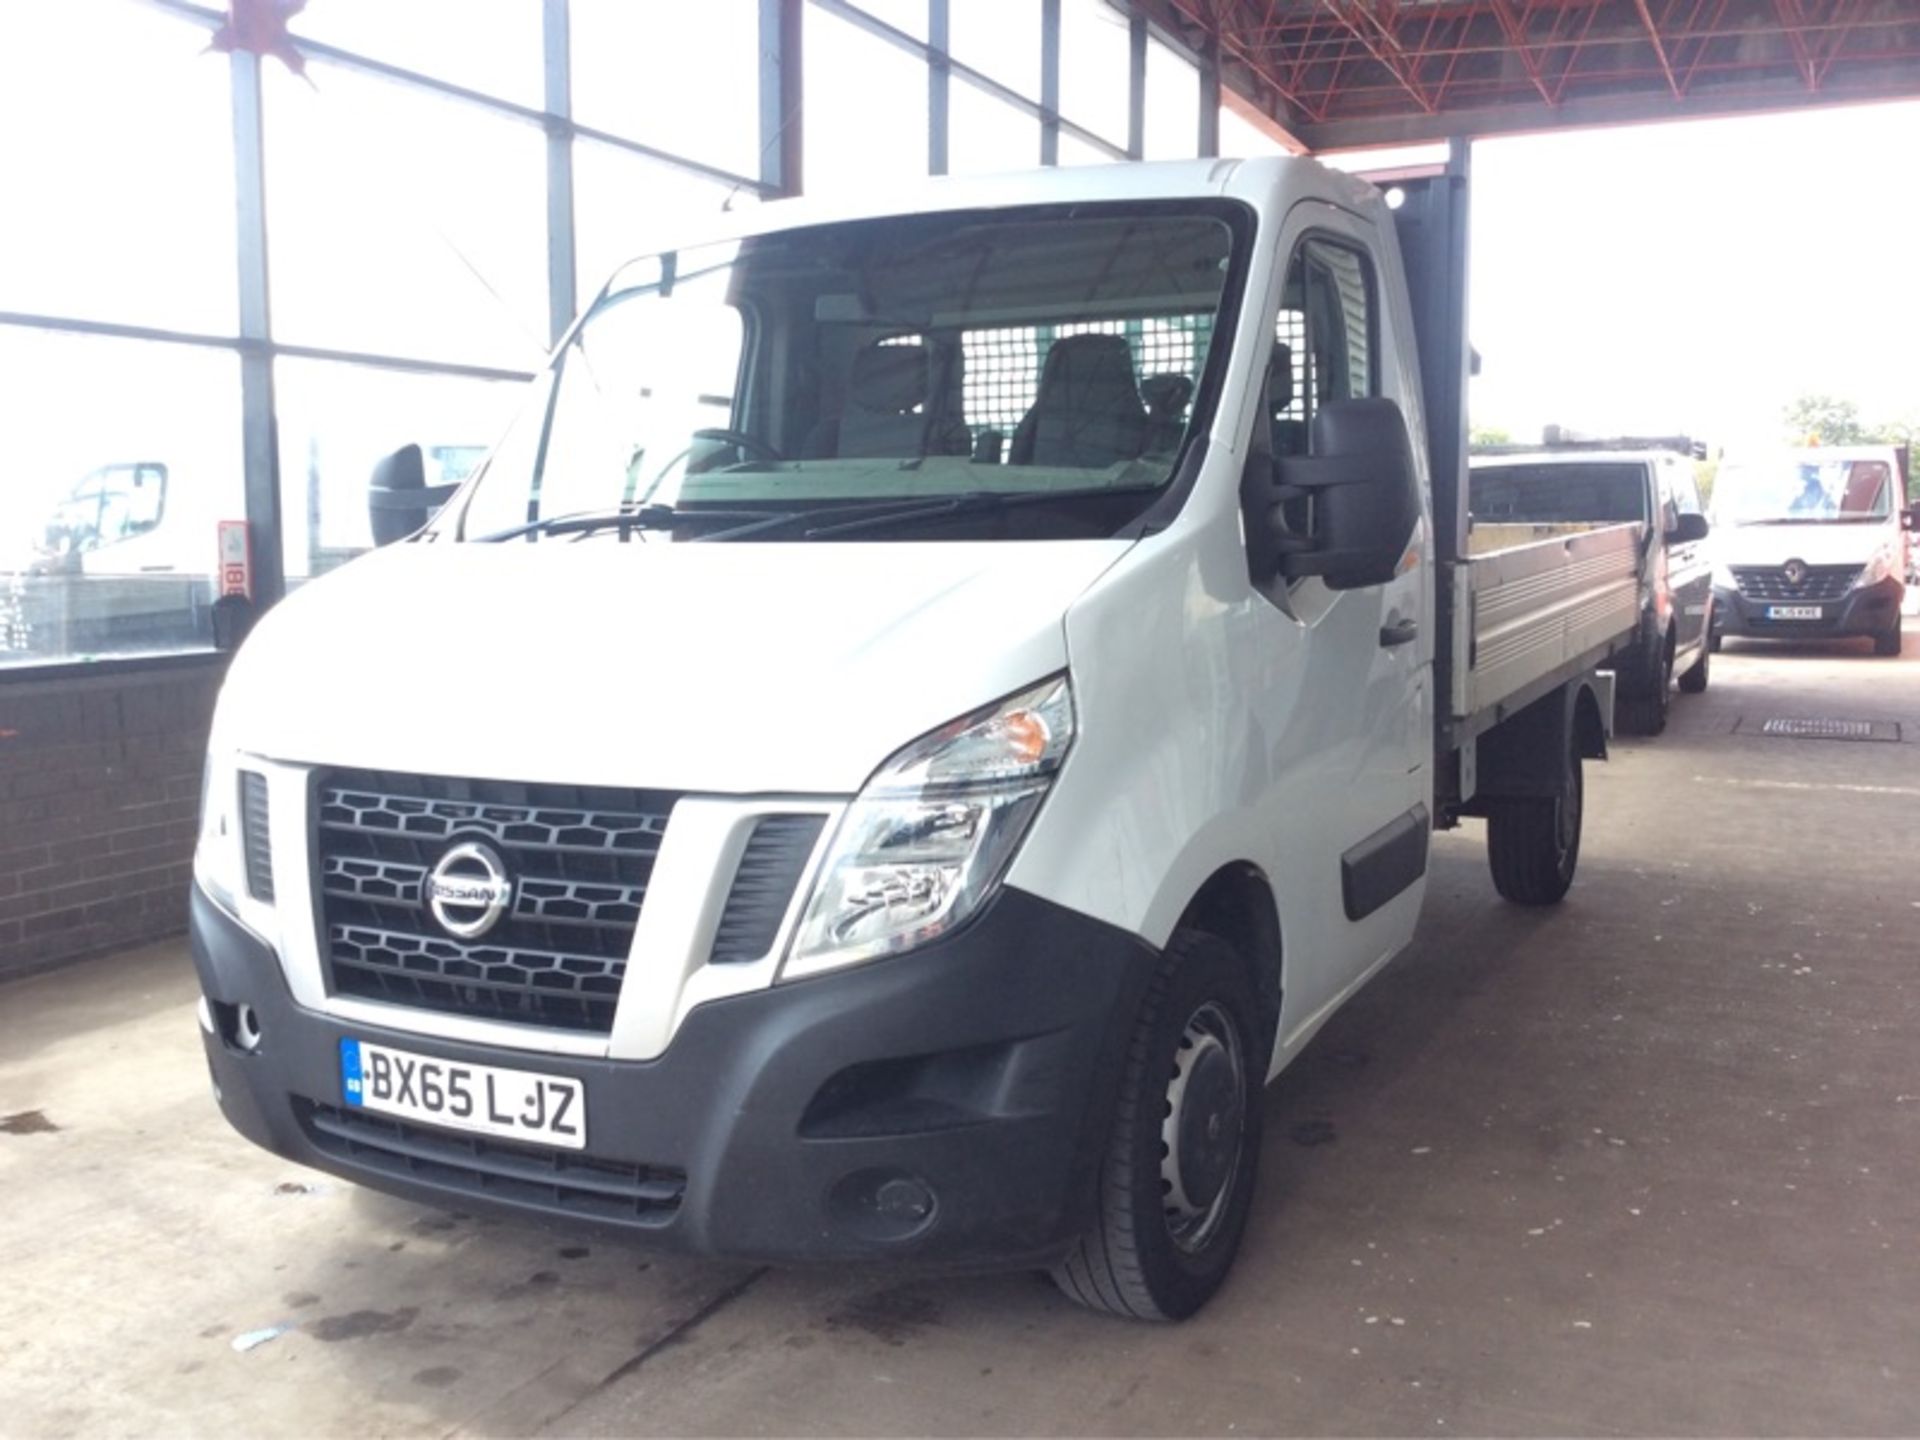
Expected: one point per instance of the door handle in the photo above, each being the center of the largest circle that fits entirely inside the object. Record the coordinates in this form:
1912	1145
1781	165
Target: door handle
1398	632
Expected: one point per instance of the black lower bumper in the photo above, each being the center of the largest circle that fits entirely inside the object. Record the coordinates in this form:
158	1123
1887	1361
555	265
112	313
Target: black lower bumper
945	1107
1872	610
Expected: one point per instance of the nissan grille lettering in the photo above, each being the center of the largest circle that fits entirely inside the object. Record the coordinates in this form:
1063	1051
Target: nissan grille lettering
468	890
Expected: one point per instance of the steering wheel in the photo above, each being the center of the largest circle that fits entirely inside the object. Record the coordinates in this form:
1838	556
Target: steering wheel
746	444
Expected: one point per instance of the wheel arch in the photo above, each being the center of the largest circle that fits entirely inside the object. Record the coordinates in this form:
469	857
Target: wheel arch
1237	903
1525	755
1589	724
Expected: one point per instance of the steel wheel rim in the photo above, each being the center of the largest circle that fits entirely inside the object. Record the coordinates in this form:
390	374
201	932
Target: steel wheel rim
1202	1133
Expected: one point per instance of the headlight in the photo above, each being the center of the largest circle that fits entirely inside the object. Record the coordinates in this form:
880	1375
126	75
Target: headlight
924	845
217	863
1722	577
1882	566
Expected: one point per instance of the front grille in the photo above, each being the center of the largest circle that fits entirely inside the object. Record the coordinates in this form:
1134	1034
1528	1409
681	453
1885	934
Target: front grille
496	1169
1770	582
579	859
255	845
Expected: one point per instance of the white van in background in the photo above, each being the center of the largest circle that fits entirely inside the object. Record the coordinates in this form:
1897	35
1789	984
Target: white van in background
1811	544
122	560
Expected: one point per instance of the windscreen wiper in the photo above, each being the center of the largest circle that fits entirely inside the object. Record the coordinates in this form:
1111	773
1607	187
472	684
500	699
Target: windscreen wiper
939	507
970	502
631	517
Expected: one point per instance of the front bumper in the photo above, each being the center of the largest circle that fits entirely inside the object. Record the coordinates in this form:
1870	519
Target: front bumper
945	1107
1871	610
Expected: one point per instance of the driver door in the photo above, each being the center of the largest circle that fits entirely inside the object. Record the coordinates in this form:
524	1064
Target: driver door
1343	679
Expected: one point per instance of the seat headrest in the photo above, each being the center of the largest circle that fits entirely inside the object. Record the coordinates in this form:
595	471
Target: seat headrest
1086	372
1280	386
890	378
1166	395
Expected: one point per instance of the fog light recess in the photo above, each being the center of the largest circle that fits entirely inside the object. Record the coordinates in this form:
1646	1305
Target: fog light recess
883	1205
246	1028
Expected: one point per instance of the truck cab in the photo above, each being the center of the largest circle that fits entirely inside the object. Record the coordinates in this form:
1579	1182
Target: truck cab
931	707
1649	483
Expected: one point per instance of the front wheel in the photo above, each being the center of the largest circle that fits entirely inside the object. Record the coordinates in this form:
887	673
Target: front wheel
1533	843
1178	1175
1888	645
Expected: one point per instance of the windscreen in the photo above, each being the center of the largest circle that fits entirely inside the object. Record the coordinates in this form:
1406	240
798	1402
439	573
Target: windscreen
1558	493
1054	354
1805	488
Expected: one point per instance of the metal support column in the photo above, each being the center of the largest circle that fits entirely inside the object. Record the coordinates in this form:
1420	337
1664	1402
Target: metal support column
781	147
259	451
562	293
1208	140
939	86
1049	82
1137	87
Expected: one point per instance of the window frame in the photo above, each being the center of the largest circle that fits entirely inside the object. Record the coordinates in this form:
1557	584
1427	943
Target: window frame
1306	387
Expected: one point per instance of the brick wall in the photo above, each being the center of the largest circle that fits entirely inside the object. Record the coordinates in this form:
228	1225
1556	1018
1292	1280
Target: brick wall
99	796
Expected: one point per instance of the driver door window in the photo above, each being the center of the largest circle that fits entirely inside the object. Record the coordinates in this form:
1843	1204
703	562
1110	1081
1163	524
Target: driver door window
1323	340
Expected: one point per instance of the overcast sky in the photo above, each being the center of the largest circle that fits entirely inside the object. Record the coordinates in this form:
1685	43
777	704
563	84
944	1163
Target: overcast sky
1698	276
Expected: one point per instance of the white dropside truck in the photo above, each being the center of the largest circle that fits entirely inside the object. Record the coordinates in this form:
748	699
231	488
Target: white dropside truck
926	714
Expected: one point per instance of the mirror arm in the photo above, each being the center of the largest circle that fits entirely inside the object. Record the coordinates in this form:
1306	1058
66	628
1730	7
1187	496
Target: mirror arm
425	498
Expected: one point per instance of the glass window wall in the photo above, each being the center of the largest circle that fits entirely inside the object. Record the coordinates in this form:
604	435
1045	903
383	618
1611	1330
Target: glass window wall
121	459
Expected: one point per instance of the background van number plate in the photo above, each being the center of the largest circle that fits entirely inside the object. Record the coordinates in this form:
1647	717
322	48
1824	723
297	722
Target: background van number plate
1795	612
510	1104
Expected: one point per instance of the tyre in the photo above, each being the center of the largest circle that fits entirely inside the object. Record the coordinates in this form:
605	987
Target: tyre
1693	680
1645	713
1888	645
1178	1174
1713	642
1533	844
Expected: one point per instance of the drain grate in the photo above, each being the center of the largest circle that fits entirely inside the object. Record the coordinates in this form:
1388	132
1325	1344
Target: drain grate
1827	729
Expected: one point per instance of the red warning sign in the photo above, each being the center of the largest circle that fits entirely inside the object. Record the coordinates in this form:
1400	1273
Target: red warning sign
236	564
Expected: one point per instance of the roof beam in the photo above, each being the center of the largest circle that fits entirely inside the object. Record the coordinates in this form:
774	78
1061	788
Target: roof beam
1793	22
1195	13
1846	16
1514	27
1659	49
1387	51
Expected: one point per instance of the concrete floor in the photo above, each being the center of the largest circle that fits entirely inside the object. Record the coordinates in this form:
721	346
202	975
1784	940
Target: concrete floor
1649	1164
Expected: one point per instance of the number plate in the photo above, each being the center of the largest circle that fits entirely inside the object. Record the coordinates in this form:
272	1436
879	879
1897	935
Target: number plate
512	1104
1795	612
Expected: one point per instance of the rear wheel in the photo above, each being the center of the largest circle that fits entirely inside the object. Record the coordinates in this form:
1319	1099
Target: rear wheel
1533	844
1693	680
1888	644
1645	712
1178	1175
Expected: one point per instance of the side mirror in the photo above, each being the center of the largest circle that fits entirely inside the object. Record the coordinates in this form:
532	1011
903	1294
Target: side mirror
1910	519
1364	502
399	500
1688	529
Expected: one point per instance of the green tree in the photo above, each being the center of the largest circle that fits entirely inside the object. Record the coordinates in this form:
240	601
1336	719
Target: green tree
1827	419
1704	473
1489	435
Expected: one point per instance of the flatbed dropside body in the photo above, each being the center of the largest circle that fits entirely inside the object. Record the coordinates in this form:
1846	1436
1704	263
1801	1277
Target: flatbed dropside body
1517	618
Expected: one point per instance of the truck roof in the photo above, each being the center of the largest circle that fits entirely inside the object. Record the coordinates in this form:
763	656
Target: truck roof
1249	180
